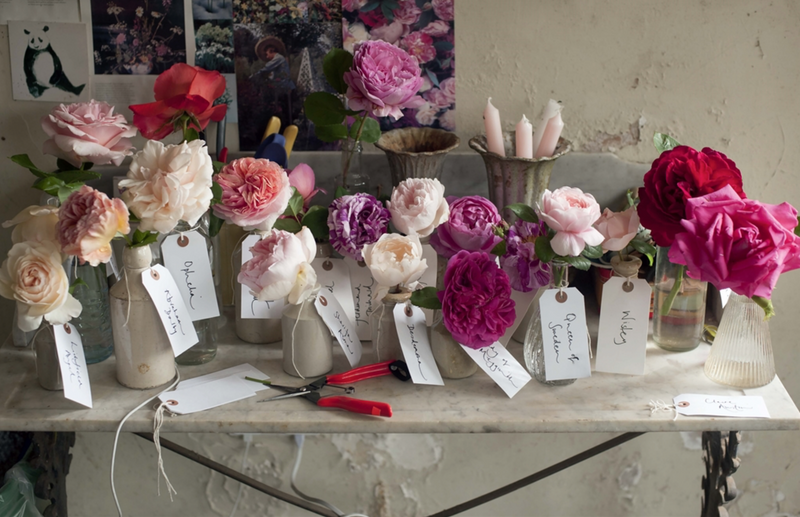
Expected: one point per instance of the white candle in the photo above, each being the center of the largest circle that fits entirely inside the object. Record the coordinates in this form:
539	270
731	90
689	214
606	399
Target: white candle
524	138
545	138
494	134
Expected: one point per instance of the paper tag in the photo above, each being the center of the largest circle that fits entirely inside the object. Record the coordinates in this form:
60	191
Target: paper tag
363	288
333	276
412	331
522	302
252	308
566	343
624	316
72	361
241	371
724	296
501	366
186	257
429	277
208	395
739	406
173	312
334	317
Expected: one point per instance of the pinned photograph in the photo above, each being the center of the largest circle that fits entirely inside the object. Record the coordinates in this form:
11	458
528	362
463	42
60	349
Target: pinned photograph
48	61
214	45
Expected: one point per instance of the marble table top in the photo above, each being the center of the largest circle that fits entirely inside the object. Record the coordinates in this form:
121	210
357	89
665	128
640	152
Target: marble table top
602	403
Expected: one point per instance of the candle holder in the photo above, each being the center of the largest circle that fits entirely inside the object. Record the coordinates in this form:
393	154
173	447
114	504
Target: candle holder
516	180
416	152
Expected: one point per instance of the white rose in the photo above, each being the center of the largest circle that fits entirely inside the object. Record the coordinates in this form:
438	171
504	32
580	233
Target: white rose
33	276
418	206
395	260
168	183
35	223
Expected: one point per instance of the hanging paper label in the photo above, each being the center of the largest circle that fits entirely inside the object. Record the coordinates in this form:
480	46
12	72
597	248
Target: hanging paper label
501	366
624	316
363	288
241	371
186	257
208	395
337	321
333	276
430	276
72	361
413	334
173	312
724	296
251	307
564	333
522	302
739	406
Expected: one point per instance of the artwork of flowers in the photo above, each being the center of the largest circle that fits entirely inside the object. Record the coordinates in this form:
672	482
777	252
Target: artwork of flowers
214	40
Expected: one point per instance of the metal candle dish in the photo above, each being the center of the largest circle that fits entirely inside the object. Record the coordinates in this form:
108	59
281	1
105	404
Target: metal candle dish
416	152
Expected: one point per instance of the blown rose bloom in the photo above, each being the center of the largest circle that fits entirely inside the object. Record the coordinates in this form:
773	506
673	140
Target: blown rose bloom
420	46
390	33
737	243
87	222
255	192
444	9
618	228
382	80
395	261
571	213
87	132
418	206
303	179
35	223
470	227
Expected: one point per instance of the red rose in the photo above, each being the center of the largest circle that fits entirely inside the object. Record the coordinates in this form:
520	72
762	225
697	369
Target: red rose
676	176
373	18
180	89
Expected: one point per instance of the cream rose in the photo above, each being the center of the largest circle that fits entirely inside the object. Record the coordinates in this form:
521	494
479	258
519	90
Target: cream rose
418	206
168	183
35	223
33	276
395	261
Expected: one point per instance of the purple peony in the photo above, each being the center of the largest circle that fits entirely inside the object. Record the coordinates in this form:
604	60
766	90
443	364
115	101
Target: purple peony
470	227
355	221
476	302
520	262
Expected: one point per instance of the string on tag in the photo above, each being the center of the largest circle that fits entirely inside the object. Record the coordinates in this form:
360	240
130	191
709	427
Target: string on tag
378	331
158	421
300	312
659	405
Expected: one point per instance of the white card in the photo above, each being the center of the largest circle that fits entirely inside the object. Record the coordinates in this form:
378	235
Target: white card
412	330
72	361
739	406
522	302
429	277
724	296
208	395
333	276
241	371
186	257
173	312
251	307
566	343
624	317
363	288
334	317
501	366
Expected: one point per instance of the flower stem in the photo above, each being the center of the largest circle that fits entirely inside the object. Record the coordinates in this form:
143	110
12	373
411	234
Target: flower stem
350	152
676	287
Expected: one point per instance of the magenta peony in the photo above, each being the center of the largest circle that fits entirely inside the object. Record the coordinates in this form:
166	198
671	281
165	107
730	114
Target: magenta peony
570	213
470	227
255	192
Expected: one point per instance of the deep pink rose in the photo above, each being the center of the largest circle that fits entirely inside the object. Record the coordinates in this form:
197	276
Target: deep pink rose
87	132
476	302
470	227
420	46
408	13
444	9
302	178
571	213
372	18
383	80
738	243
255	192
437	28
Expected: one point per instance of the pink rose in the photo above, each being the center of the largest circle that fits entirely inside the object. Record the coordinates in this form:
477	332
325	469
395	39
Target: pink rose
255	192
353	5
618	228
419	45
34	223
440	97
87	132
470	226
571	213
87	222
444	9
408	13
448	120
418	206
426	114
383	80
389	33
302	178
436	28
737	243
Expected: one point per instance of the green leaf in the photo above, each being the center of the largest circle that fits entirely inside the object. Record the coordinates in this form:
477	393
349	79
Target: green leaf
391	4
664	142
287	224
387	12
371	131
500	249
432	77
578	262
64	165
216	193
334	65
85	166
73	176
64	191
769	310
797	228
524	212
316	219
370	6
214	225
340	191
49	184
141	238
324	109
295	204
543	249
76	283
217	166
443	45
24	161
592	252
645	248
426	298
190	134
331	133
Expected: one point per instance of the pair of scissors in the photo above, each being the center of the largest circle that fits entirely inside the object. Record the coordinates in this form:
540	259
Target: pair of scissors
311	392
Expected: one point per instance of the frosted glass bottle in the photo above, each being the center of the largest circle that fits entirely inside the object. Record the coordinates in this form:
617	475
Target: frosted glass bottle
307	342
452	360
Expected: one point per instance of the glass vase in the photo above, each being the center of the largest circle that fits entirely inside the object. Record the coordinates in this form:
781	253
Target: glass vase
677	326
307	342
384	331
741	355
256	331
533	347
452	360
94	322
48	369
353	177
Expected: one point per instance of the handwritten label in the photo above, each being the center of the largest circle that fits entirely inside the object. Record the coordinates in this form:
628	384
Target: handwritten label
333	276
72	361
566	340
364	287
622	335
738	406
208	395
501	366
413	334
186	257
430	276
251	307
340	325
522	302
171	309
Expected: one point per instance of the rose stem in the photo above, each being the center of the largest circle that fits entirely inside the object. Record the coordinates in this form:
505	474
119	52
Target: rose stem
676	287
350	152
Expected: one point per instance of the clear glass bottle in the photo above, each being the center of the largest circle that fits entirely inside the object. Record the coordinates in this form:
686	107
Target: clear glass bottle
677	327
533	348
307	342
48	369
356	178
94	322
452	360
256	331
741	354
384	332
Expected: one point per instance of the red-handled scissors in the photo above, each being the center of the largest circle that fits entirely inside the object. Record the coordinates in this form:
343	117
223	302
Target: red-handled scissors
311	391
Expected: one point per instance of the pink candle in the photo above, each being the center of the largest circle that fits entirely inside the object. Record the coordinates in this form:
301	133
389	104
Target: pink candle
494	134
545	138
524	138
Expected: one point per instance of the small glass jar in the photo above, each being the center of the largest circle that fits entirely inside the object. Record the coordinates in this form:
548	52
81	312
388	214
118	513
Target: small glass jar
48	369
353	177
94	322
678	316
256	331
452	360
307	342
384	331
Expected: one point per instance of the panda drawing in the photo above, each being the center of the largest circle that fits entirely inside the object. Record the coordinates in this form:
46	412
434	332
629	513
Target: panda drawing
43	68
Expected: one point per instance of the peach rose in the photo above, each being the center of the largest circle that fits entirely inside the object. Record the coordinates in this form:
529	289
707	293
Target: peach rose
395	260
35	223
87	222
255	192
618	228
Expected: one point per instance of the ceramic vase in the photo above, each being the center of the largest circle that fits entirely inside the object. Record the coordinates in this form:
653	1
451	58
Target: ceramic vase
256	331
416	152
307	342
452	360
384	330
